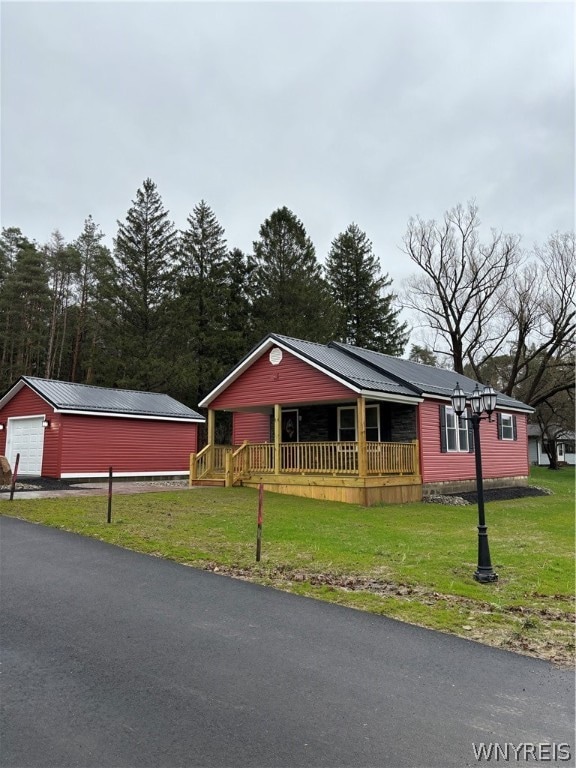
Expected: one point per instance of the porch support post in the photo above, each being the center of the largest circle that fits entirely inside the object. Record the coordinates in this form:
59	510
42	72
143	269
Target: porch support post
211	426
277	438
211	432
362	455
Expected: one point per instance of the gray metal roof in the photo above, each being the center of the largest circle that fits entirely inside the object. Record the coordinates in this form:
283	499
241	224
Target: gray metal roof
374	371
65	396
425	379
342	364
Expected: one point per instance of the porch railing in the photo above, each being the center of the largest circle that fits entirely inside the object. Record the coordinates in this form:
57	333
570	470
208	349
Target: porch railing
212	458
326	458
392	458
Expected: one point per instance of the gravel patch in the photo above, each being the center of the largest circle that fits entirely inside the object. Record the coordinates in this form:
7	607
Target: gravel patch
453	501
51	484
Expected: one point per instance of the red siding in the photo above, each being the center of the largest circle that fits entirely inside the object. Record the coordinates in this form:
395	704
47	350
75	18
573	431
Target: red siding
292	381
91	444
500	458
28	403
253	427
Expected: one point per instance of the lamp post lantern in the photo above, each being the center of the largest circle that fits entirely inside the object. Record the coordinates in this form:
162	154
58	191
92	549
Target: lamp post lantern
480	403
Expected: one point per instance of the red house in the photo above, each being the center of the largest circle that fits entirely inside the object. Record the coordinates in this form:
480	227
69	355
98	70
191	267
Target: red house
65	430
339	422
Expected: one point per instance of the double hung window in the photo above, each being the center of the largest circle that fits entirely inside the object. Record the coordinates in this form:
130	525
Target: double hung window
373	423
348	423
456	432
506	427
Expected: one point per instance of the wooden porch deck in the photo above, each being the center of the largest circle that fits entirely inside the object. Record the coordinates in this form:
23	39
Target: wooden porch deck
355	472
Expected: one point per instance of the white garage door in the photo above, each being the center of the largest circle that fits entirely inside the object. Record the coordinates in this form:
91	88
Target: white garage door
26	437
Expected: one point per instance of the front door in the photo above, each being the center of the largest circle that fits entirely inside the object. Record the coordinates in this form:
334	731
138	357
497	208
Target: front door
290	426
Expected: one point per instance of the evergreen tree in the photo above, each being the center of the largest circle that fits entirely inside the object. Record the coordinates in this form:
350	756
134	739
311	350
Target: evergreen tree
11	240
24	306
140	291
63	266
365	310
95	262
424	355
201	304
290	294
240	335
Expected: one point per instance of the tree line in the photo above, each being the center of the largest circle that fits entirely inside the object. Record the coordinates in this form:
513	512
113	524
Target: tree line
171	310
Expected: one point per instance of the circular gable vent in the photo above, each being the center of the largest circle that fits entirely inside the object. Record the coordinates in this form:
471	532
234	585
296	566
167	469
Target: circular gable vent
275	356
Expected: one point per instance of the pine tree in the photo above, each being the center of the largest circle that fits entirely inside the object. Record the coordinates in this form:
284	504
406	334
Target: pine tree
201	303
140	291
95	263
24	305
365	311
63	266
11	240
240	335
290	294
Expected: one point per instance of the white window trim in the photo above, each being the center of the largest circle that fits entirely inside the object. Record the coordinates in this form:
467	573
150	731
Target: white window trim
509	425
377	407
355	409
460	426
348	408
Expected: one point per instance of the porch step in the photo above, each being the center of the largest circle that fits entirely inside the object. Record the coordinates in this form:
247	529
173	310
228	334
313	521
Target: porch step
208	482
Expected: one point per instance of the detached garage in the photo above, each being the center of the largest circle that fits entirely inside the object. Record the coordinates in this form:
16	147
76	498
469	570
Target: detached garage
65	430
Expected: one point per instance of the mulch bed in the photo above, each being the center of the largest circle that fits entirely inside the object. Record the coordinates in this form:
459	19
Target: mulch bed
504	494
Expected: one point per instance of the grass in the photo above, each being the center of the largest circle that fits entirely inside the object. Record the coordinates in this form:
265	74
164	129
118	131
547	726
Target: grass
413	562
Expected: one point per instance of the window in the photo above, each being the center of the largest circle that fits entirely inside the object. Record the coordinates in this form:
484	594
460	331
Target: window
347	429
454	432
373	423
347	422
506	426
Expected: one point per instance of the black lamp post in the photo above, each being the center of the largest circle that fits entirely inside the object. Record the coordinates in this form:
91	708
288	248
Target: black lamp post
480	402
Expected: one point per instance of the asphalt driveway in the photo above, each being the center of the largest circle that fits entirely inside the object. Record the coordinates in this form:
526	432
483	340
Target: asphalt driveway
113	658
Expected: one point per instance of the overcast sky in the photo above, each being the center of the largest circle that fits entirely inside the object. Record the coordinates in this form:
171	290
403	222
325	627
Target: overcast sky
366	112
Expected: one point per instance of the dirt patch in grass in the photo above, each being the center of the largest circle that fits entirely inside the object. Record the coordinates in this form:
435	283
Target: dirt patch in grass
504	494
534	626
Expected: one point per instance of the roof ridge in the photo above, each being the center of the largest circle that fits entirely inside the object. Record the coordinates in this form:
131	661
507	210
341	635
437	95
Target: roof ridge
282	337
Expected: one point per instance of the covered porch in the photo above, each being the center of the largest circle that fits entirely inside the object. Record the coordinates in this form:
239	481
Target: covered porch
299	460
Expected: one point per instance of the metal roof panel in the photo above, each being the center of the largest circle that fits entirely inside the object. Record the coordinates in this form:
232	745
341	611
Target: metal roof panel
67	396
426	378
342	364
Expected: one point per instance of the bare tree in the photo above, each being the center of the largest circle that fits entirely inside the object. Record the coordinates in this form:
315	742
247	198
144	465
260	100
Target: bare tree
458	293
504	318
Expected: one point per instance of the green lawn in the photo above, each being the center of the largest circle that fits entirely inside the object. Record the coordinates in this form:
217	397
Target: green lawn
413	562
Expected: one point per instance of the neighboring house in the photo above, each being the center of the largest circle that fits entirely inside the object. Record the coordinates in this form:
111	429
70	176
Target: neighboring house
66	430
344	423
564	447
